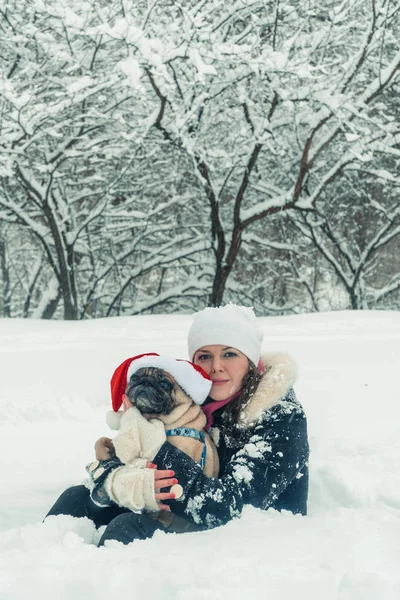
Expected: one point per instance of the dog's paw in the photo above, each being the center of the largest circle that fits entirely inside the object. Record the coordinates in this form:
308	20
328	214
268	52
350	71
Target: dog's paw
104	449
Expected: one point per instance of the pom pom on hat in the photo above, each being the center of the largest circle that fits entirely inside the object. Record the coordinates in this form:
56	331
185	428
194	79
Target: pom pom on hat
230	325
192	379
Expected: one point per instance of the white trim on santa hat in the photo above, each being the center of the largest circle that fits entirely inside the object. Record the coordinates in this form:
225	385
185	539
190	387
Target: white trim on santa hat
194	382
113	419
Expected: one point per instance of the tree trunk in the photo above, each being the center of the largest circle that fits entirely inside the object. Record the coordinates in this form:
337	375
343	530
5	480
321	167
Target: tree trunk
223	271
51	307
63	255
6	308
219	284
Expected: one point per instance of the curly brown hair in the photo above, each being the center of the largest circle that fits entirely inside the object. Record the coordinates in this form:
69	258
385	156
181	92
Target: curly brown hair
249	386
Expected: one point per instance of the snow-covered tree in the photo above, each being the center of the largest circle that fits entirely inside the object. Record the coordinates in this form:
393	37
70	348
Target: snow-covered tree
151	147
357	246
271	101
70	150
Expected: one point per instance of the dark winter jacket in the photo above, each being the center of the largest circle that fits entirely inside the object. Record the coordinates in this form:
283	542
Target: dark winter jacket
263	459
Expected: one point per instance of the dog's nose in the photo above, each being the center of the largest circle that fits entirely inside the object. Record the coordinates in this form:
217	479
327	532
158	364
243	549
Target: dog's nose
143	393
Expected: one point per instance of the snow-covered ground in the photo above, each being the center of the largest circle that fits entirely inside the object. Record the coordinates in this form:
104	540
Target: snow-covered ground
53	398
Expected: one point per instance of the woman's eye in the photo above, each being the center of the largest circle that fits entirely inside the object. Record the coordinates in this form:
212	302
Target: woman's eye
203	357
229	354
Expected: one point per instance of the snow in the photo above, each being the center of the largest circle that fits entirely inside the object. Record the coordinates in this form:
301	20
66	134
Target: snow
53	401
131	68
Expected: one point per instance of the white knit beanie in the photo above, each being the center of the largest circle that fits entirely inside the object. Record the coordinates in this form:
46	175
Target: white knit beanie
230	325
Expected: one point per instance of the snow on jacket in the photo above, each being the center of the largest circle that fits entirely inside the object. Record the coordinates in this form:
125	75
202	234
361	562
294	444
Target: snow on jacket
263	459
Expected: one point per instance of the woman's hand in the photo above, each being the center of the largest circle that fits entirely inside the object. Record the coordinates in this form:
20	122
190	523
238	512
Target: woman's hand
162	479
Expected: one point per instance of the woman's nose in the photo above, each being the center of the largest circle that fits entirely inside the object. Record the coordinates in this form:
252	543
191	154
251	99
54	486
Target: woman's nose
217	365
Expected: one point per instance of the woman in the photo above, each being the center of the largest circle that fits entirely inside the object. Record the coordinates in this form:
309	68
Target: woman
253	417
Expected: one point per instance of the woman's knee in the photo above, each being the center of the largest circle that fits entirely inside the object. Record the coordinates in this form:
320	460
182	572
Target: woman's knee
72	502
130	526
76	502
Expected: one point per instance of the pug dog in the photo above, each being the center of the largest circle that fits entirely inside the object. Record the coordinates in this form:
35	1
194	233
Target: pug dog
157	395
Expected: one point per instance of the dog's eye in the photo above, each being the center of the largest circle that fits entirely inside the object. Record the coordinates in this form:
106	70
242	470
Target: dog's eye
166	385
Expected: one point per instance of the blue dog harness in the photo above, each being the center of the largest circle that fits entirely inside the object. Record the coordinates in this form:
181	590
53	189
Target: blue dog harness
193	433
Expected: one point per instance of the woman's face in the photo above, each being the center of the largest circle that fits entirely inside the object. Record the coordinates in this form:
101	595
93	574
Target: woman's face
225	366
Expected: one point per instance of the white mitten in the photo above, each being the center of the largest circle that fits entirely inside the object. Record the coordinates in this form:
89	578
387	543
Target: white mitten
132	488
138	437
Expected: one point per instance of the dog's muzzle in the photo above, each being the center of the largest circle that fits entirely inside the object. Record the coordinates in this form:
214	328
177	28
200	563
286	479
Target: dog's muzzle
150	391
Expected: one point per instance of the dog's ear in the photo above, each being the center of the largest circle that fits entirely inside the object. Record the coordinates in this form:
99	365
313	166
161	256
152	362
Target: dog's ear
126	402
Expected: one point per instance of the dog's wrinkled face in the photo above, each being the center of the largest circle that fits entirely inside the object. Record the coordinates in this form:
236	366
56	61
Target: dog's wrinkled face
152	391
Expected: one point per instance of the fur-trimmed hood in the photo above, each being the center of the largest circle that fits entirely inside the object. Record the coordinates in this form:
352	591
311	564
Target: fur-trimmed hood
279	376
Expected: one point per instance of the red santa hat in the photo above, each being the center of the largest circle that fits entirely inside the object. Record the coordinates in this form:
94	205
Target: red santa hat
192	379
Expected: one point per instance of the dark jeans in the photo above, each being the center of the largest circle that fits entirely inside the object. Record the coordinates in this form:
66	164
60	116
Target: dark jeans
122	524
